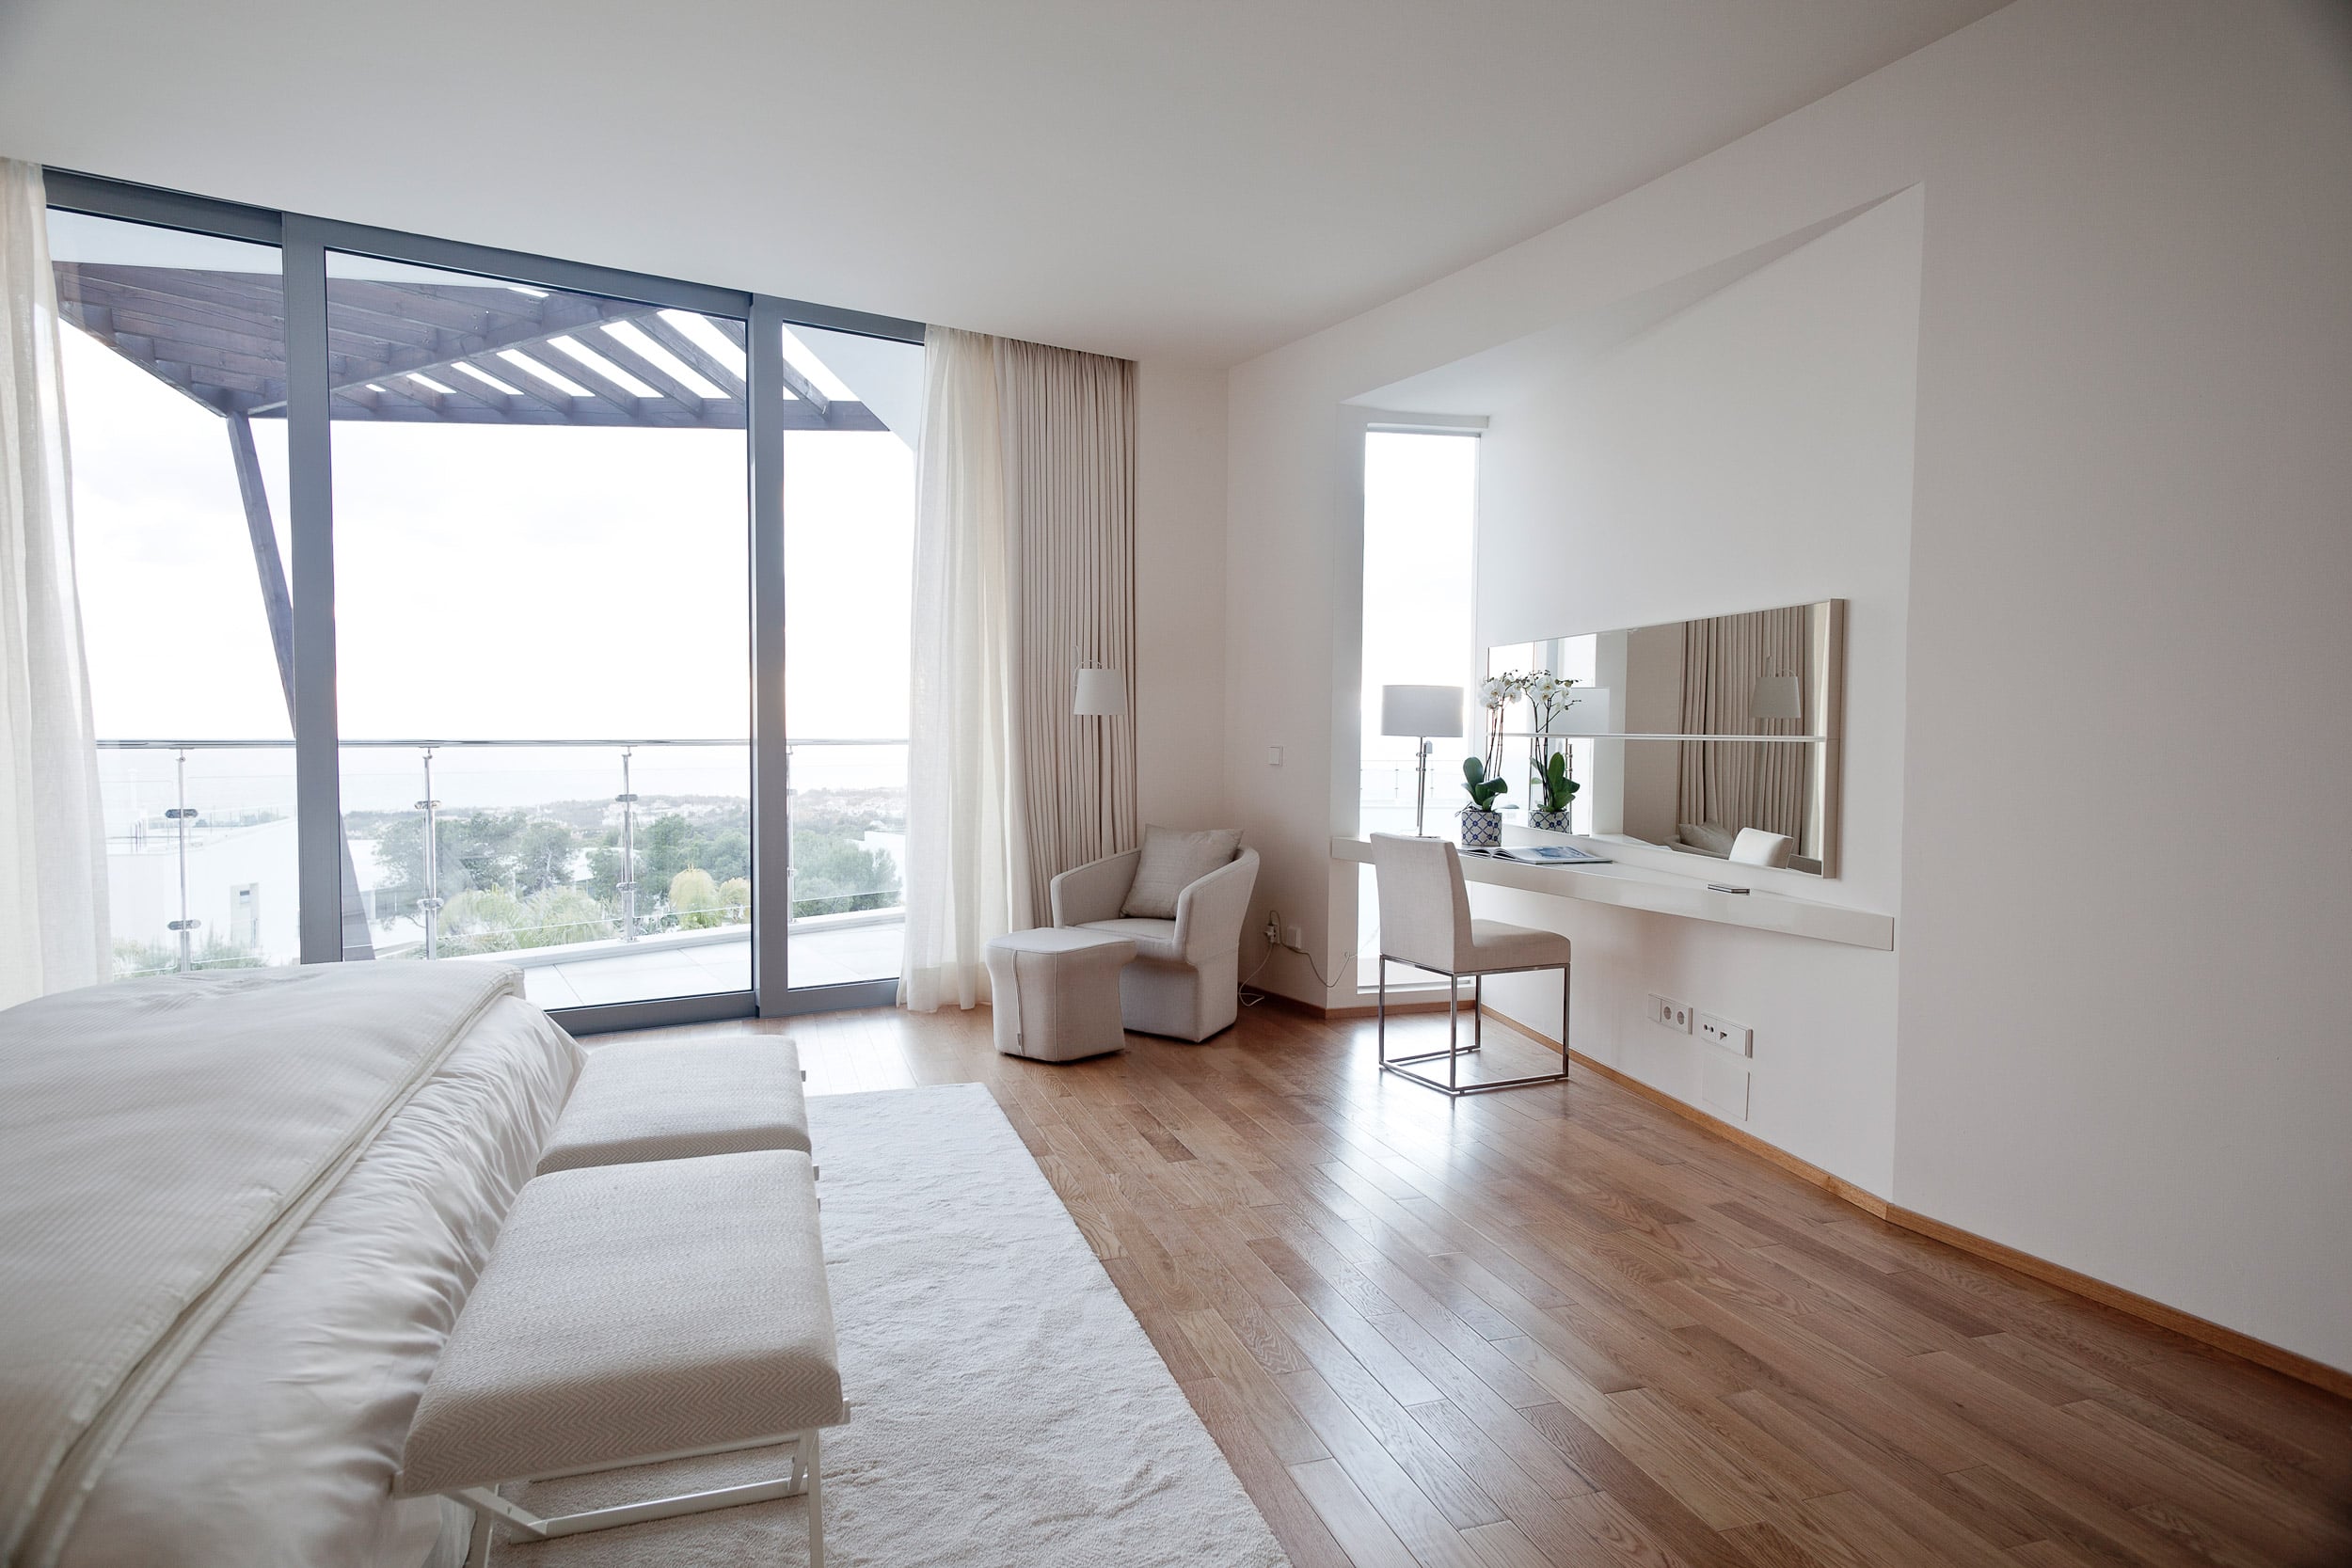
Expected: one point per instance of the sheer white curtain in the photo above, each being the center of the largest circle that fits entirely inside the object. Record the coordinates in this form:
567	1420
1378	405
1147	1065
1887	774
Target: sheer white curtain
1023	568
53	845
967	859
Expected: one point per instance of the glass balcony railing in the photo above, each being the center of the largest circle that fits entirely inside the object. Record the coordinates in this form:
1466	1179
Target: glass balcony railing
549	854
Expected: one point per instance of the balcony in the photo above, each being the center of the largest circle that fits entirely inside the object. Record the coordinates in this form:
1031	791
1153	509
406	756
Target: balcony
609	871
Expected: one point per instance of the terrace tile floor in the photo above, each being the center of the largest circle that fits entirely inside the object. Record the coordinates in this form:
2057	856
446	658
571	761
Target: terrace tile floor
823	957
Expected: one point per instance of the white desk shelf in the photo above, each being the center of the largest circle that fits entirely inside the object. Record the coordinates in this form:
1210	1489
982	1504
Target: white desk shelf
1640	887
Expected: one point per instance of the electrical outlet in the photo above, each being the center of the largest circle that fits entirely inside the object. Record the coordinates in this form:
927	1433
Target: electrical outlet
1737	1038
1273	930
1298	937
1672	1014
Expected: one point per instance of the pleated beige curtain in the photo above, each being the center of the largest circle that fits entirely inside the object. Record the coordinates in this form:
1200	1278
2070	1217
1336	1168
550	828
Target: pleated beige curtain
1744	784
1023	571
1069	431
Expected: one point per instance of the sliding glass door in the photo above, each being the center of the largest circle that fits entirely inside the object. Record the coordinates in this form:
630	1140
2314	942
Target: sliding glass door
848	536
438	610
542	563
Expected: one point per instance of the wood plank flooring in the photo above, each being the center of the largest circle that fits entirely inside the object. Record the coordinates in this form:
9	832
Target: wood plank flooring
1559	1326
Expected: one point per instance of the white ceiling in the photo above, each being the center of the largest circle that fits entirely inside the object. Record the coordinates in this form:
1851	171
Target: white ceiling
1200	180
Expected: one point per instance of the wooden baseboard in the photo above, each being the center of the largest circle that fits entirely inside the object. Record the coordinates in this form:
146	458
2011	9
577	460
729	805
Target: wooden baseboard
1293	1003
2319	1374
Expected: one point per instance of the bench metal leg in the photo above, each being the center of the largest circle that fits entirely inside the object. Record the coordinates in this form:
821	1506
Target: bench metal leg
816	1501
803	1478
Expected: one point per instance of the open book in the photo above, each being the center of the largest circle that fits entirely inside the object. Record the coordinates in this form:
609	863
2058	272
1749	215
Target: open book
1542	854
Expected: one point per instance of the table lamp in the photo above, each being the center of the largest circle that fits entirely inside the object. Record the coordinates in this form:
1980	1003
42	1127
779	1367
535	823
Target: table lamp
1421	712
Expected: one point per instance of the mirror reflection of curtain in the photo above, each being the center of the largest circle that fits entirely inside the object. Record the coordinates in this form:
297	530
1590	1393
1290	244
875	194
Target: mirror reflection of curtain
1741	784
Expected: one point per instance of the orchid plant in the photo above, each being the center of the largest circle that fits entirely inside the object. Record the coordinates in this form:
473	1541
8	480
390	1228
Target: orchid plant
1549	697
1482	774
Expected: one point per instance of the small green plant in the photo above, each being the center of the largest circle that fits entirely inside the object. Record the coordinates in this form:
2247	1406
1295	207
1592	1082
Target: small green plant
1483	789
1552	779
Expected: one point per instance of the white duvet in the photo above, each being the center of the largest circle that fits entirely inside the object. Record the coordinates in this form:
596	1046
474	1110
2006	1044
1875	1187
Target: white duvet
270	1436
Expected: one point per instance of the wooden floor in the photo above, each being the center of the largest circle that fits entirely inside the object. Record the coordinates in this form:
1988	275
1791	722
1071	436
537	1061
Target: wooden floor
1560	1326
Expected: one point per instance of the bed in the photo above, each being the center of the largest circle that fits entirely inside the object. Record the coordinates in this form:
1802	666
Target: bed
238	1215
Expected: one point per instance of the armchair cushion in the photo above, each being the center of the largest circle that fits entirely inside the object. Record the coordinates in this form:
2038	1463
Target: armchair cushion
1173	861
1153	939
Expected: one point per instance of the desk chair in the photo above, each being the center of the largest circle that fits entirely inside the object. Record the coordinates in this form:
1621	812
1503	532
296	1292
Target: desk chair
1425	924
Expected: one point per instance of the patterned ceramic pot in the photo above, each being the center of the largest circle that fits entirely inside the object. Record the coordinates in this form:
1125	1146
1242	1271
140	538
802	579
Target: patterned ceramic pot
1480	830
1549	821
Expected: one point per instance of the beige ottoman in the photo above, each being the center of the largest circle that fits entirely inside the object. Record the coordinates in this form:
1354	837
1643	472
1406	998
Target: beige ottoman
1055	991
672	1100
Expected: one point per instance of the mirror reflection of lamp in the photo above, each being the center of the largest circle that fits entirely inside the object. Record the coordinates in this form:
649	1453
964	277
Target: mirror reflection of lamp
1777	697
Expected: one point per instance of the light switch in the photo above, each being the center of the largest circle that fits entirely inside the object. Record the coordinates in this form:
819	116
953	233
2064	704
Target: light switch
1274	756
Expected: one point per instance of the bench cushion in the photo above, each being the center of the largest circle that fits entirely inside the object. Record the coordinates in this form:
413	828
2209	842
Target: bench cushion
651	1099
633	1311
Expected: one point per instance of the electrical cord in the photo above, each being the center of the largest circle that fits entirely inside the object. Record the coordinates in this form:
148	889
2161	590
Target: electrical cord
1274	945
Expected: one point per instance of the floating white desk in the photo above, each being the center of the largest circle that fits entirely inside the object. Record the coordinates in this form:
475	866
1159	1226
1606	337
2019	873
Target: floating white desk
1640	887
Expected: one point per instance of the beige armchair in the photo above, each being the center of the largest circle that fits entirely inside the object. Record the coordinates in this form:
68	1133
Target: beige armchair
1186	970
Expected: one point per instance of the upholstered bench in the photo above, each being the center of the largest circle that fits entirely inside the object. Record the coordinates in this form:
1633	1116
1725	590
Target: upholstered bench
648	1100
630	1314
1053	992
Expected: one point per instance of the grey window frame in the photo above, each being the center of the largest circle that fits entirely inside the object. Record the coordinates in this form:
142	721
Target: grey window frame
303	241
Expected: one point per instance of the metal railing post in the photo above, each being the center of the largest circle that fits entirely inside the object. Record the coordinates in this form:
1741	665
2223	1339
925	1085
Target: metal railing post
627	886
181	815
431	903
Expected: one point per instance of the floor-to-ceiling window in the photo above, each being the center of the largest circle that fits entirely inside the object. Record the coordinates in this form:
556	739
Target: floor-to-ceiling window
542	561
179	502
848	534
1420	511
538	495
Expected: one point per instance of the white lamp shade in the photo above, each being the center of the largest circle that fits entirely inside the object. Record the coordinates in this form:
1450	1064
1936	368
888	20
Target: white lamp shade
1777	697
1419	710
1102	693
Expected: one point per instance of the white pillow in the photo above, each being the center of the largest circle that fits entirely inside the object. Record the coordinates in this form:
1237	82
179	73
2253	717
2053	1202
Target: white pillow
1711	838
1173	860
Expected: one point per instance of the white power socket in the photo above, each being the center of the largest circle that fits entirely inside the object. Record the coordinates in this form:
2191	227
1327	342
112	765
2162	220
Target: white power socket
1298	938
1735	1037
1672	1014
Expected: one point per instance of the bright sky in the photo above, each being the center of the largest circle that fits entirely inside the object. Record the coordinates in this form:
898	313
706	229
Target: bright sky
1420	507
492	582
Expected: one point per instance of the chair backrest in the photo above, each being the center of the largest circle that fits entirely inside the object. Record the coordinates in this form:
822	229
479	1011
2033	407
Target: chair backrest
1425	909
1755	847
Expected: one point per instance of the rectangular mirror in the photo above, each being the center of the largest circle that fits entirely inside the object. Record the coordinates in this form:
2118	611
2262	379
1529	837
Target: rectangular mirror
1680	734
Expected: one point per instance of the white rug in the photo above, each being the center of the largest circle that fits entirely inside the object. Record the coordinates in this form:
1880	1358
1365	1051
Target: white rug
1007	1406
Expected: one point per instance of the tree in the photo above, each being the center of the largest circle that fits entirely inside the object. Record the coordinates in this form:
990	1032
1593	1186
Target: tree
544	853
735	900
834	875
694	900
482	920
561	916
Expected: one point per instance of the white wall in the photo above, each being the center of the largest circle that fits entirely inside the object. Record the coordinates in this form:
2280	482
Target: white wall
1180	594
1753	450
2124	897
